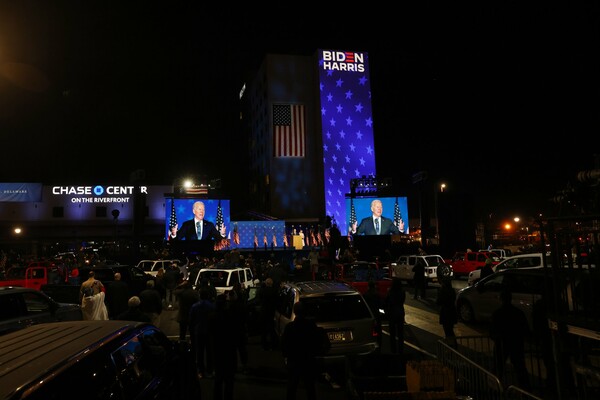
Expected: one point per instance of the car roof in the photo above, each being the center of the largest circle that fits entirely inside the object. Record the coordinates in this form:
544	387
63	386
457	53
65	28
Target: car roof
35	352
313	288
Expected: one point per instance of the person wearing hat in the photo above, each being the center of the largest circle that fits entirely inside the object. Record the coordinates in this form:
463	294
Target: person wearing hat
486	270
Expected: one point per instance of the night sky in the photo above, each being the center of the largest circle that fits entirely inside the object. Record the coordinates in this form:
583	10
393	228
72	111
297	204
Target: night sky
499	100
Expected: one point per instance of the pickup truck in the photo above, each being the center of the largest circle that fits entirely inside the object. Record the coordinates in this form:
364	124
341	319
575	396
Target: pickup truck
402	268
29	277
463	262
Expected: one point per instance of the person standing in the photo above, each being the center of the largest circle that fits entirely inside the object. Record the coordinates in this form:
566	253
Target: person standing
197	228
509	329
267	298
419	281
186	297
486	270
151	303
171	280
91	295
448	315
133	312
394	308
224	332
301	342
201	314
117	296
375	224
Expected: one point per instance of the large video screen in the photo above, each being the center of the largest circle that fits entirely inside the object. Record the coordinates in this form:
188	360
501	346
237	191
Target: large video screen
177	211
394	215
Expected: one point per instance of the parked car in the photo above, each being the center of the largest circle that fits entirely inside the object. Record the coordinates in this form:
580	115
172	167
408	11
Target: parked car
116	360
359	273
223	279
478	302
402	268
464	262
518	261
337	307
21	307
151	267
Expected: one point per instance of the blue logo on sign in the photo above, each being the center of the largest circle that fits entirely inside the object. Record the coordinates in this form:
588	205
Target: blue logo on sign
98	190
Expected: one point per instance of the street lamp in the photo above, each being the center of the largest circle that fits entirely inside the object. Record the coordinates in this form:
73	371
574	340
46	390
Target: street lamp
442	187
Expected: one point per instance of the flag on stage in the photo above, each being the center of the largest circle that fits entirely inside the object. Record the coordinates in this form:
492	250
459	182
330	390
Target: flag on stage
219	220
274	240
288	130
173	218
236	234
255	239
398	217
285	240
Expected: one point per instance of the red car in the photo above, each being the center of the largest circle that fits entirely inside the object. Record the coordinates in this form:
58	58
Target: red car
359	273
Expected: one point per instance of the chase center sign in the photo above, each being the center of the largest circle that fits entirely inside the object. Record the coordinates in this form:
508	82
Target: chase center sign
99	194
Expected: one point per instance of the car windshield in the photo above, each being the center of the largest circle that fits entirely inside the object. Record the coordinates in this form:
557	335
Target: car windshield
336	308
434	261
215	277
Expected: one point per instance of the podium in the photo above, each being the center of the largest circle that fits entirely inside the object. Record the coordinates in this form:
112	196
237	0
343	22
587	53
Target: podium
297	242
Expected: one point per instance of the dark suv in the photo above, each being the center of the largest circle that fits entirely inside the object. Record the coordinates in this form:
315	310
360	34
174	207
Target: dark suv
338	308
115	360
21	307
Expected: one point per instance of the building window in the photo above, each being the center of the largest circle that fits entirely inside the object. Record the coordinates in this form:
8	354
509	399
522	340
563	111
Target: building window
58	212
101	212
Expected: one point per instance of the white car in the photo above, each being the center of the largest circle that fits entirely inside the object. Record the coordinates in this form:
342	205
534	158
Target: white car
223	279
402	268
518	261
151	267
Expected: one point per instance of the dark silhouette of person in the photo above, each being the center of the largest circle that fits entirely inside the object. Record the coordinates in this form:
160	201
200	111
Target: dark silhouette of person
300	344
419	281
509	330
267	298
394	309
133	311
375	224
201	314
238	302
448	315
223	331
186	297
486	270
171	280
376	303
151	303
117	296
197	228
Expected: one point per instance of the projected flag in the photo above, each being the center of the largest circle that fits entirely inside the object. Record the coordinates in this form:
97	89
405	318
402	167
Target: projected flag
288	130
173	218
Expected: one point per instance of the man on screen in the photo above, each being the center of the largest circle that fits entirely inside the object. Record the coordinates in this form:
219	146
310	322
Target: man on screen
197	228
375	224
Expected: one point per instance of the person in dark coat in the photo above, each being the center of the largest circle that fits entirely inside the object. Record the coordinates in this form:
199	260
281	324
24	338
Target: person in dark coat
300	345
171	280
224	334
394	309
267	298
419	280
133	312
151	302
201	314
117	296
186	297
509	329
486	270
448	315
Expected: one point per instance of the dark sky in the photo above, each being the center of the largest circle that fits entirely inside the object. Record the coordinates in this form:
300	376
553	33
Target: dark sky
498	99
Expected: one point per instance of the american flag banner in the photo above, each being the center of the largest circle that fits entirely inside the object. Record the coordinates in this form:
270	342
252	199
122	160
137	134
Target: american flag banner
288	130
352	219
398	217
274	240
327	235
173	218
255	239
319	238
313	239
236	234
219	220
285	240
265	240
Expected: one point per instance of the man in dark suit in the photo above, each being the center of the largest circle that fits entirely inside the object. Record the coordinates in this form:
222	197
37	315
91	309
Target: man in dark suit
376	224
197	228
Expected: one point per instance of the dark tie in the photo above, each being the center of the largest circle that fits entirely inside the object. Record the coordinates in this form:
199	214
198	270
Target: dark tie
377	225
199	230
